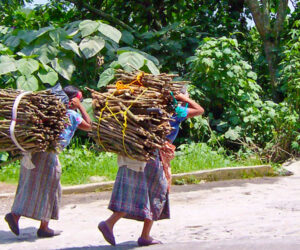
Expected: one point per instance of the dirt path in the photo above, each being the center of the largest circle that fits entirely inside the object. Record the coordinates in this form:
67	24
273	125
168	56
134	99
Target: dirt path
259	213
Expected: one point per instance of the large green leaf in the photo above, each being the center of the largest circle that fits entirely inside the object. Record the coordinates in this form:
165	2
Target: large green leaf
88	27
127	37
90	46
58	35
27	83
131	61
151	66
64	66
7	65
27	66
46	53
72	28
3	29
88	105
106	77
110	32
12	41
70	45
3	48
48	75
29	36
147	56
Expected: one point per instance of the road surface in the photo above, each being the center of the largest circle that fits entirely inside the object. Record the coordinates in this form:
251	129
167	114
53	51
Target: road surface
260	213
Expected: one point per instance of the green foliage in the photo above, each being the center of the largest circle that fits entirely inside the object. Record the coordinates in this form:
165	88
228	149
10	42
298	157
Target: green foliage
79	162
199	156
31	58
51	43
56	13
228	82
290	72
10	173
233	102
3	156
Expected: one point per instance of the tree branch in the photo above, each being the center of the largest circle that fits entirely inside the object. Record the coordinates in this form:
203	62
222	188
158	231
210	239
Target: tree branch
258	16
266	11
281	14
103	15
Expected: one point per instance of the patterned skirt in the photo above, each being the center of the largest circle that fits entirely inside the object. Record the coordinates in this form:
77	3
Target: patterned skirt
141	195
39	191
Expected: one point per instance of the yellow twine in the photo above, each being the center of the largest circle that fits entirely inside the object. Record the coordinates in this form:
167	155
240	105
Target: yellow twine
121	85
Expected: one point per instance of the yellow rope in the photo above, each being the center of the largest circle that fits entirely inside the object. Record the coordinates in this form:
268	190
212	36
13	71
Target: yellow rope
121	85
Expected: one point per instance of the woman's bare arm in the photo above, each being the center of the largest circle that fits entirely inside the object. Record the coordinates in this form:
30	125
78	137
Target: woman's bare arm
194	108
86	124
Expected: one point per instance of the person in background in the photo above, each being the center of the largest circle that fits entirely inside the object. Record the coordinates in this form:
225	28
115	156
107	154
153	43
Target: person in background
39	190
141	189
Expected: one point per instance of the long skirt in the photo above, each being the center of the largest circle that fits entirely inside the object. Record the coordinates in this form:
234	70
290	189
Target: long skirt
39	190
141	195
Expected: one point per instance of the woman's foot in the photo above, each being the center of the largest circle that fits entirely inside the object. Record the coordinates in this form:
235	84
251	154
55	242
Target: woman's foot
47	233
107	233
12	223
147	242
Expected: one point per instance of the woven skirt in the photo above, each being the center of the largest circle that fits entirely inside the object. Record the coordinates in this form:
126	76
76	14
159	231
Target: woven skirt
141	195
39	190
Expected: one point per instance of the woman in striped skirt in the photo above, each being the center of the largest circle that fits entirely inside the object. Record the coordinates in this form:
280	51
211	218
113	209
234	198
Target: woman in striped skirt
137	195
141	190
39	190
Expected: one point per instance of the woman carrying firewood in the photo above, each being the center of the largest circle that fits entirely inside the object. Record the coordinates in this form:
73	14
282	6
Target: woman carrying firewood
141	189
39	191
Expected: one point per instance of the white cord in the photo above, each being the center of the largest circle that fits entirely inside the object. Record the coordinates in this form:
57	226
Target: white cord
14	119
26	160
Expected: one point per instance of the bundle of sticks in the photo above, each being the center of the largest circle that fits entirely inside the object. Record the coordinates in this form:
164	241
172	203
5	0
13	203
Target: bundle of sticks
41	117
134	113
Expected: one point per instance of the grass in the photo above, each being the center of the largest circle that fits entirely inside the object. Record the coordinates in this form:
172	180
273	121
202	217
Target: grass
199	156
80	162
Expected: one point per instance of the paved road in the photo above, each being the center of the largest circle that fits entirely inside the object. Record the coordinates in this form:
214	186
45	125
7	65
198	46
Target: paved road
261	213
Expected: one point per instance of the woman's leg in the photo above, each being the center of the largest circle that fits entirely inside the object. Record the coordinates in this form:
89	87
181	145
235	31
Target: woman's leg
113	219
45	232
146	239
146	229
106	227
45	226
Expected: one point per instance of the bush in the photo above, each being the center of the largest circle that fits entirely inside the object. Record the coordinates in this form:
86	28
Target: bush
234	104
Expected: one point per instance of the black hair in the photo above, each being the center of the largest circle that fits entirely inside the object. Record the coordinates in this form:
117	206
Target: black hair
71	91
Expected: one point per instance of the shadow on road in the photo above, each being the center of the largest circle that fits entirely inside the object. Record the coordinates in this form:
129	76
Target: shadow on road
28	234
123	246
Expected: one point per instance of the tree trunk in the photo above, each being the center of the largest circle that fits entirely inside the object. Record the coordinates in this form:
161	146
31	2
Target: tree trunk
270	48
270	34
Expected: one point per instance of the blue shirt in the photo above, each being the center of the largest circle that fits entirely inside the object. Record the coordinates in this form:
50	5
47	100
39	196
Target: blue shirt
68	133
176	123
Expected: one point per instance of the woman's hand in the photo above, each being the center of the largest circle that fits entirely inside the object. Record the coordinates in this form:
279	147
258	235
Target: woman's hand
194	108
181	97
75	102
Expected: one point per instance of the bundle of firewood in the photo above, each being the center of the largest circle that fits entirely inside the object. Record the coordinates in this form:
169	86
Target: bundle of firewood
41	118
134	113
